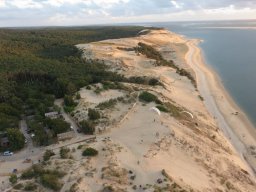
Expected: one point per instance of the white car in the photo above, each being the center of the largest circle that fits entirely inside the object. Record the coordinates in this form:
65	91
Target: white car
8	153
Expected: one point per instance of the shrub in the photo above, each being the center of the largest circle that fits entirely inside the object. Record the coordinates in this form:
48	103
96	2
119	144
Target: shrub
51	181
48	154
87	127
28	174
153	82
148	97
93	114
108	189
18	186
201	98
107	104
80	146
90	152
64	152
13	179
30	187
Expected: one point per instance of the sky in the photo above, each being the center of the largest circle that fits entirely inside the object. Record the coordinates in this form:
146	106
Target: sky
90	12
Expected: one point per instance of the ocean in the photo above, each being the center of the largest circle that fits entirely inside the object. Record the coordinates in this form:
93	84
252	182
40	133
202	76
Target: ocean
229	48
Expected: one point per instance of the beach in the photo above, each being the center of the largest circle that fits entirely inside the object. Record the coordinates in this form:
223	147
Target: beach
231	119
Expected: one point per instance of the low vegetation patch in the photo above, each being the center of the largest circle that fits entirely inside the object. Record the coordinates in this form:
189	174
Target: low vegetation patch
49	178
51	181
183	72
174	110
162	108
90	152
30	186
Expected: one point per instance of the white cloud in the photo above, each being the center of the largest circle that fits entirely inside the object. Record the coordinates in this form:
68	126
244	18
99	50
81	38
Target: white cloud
25	4
2	3
81	12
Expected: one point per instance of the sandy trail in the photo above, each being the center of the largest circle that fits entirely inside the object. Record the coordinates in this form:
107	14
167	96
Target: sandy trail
205	79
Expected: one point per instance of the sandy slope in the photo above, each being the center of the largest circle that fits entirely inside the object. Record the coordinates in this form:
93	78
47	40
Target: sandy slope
195	157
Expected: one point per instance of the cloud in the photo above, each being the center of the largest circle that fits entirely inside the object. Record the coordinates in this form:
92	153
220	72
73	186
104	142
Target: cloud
66	12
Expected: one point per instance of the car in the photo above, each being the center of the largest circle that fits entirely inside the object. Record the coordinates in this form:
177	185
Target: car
8	153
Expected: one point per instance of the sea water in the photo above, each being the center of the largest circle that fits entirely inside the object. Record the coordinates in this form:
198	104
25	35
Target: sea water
229	48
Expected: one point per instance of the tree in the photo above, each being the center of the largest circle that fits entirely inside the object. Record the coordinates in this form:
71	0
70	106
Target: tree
93	114
68	101
16	139
58	125
87	127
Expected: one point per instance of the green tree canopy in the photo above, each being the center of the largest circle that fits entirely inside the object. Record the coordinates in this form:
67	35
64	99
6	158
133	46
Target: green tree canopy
16	139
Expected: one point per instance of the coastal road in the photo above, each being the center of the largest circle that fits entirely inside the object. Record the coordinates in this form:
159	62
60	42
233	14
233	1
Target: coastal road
195	60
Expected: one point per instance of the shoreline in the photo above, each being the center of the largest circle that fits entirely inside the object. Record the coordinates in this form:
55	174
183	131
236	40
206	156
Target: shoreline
238	129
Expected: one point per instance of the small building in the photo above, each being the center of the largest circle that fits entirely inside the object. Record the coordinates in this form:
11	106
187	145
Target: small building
65	136
52	115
